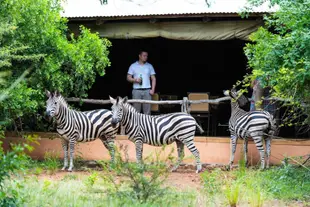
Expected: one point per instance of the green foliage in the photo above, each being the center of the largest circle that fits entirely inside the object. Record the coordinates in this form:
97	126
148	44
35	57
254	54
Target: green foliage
279	52
90	181
211	182
285	183
38	170
72	192
232	194
11	162
51	161
69	177
140	183
34	37
256	197
135	185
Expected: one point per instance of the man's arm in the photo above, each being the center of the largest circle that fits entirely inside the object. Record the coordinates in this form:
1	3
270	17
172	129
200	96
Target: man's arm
153	79
133	80
130	78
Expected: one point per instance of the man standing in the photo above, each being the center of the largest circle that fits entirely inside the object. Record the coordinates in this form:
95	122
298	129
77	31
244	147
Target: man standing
139	74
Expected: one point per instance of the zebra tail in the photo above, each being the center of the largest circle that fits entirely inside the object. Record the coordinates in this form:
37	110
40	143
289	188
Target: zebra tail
200	128
273	127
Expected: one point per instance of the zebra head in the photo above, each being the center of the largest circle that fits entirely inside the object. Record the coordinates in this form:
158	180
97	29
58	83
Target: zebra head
117	109
236	96
52	103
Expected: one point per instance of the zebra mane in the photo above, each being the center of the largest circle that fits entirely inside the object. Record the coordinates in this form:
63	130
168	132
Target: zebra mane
117	99
130	107
62	100
242	100
238	98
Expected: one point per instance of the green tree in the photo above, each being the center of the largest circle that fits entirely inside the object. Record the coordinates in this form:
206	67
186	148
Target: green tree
57	60
279	52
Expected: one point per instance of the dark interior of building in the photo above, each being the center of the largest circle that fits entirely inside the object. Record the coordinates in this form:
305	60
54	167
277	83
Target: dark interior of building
180	66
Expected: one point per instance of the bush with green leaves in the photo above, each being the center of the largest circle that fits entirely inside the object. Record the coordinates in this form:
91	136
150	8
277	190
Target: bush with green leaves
132	183
279	51
35	38
11	162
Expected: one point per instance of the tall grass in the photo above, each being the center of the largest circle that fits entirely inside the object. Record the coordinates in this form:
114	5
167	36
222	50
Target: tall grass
51	161
232	193
75	192
128	184
285	183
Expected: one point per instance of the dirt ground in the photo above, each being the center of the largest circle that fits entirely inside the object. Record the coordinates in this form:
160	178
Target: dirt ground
180	180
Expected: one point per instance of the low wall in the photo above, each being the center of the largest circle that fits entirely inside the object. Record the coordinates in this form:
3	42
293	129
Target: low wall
213	150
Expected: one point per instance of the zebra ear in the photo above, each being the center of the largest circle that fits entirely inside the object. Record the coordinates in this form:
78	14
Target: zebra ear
57	93
125	99
112	100
48	94
226	92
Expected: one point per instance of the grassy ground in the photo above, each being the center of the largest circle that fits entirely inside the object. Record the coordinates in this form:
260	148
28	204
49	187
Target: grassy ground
279	186
43	184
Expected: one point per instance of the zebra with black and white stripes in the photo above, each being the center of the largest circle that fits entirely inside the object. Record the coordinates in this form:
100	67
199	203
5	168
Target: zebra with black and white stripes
258	125
156	130
76	126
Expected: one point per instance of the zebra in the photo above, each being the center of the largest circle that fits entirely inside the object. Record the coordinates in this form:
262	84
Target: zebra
259	125
156	130
76	126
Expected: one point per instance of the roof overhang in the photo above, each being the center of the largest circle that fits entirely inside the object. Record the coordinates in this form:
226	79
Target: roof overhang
159	9
167	16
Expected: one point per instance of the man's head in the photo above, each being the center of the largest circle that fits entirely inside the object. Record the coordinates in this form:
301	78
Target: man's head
143	56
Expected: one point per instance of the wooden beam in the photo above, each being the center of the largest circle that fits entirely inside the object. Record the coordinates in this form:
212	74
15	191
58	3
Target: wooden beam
96	101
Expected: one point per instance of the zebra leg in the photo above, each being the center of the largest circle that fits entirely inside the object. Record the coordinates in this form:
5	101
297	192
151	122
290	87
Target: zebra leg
180	147
71	148
260	148
64	144
245	151
139	150
268	150
191	146
233	145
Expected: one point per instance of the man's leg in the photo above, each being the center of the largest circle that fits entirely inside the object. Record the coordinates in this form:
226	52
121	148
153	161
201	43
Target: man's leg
137	94
147	107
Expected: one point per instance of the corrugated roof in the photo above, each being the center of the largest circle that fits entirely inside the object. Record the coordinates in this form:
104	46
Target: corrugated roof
127	8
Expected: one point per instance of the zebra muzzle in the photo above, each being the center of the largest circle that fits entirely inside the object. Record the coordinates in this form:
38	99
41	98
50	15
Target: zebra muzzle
47	116
114	122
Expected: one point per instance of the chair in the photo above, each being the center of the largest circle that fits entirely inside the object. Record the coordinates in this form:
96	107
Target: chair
200	111
155	107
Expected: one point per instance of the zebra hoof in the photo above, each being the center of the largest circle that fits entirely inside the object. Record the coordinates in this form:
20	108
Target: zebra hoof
199	169
63	169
